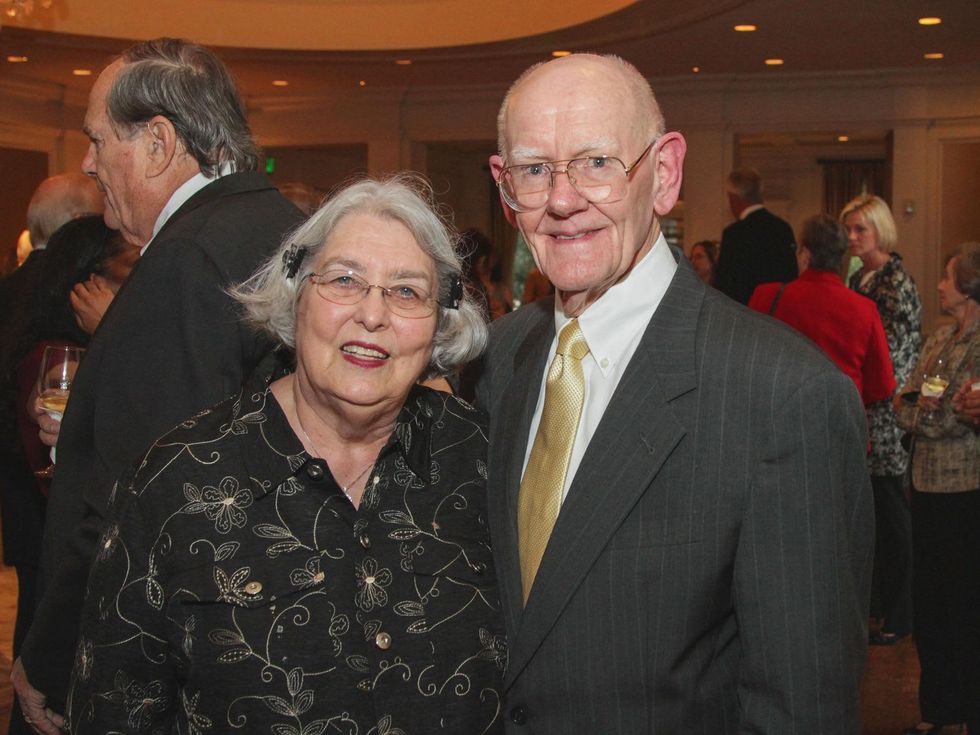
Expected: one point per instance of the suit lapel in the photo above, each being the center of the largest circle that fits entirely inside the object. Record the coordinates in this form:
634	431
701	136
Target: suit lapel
637	434
511	418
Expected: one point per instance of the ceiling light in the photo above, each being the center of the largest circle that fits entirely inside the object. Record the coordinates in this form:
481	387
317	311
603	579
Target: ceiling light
746	27
403	62
82	72
362	83
559	54
774	62
930	20
280	83
696	69
843	138
935	55
17	59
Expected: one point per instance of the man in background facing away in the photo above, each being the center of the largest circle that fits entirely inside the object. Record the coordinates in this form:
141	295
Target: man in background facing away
758	247
173	155
681	515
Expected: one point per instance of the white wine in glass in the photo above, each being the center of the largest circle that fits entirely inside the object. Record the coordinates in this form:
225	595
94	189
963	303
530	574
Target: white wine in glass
934	385
54	381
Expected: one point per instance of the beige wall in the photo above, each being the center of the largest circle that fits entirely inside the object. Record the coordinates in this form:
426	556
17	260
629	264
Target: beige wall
925	110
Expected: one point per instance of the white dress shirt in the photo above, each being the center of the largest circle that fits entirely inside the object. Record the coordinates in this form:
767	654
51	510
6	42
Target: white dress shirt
613	326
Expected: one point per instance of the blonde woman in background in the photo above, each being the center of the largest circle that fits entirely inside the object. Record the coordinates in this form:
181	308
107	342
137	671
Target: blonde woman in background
872	237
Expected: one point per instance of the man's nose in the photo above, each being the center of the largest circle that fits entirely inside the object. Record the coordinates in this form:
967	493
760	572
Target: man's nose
88	163
564	198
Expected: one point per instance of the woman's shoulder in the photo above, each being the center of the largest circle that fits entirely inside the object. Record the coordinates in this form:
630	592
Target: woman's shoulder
446	412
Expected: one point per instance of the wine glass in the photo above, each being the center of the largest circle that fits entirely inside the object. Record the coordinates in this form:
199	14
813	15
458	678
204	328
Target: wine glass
934	385
58	366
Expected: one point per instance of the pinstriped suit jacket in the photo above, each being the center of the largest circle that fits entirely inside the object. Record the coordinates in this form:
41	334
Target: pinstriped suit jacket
709	570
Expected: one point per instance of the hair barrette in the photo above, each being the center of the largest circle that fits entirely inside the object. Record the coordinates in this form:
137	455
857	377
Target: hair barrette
292	259
454	293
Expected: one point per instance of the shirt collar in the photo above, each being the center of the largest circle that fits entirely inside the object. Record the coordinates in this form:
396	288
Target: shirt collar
750	209
275	455
184	192
624	310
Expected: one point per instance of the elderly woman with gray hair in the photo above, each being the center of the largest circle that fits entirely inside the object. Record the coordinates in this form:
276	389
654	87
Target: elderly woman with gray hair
312	555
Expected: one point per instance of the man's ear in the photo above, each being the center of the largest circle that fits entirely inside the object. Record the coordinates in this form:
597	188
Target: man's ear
669	169
496	166
162	145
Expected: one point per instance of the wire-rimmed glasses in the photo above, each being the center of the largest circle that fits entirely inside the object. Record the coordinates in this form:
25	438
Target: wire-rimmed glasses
345	287
600	179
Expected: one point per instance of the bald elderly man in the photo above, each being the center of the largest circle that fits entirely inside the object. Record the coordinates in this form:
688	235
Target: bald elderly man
681	515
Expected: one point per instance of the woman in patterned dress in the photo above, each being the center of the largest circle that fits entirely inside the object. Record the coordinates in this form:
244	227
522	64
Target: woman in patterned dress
946	507
312	555
872	237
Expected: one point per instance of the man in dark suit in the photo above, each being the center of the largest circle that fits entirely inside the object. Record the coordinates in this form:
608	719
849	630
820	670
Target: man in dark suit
173	155
697	559
758	247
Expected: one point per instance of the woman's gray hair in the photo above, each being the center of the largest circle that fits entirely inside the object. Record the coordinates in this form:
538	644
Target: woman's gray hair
967	270
188	85
271	295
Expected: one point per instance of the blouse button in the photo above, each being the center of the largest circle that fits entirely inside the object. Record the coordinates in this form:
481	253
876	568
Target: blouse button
314	470
365	541
383	641
253	588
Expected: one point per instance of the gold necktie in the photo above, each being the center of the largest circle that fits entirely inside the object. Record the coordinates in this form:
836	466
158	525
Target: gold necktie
544	478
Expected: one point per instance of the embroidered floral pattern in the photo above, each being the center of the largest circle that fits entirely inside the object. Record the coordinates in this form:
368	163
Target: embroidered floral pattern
237	590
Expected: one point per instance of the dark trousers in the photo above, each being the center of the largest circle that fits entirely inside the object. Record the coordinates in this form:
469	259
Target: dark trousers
946	601
891	586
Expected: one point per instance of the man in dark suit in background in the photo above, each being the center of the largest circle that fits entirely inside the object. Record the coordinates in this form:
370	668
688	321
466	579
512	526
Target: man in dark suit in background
689	547
758	247
172	152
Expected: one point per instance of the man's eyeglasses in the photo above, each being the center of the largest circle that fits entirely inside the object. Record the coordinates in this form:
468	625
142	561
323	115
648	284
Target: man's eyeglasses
600	179
345	288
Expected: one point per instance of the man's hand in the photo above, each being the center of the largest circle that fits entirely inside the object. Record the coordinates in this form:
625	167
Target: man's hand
966	401
40	718
89	300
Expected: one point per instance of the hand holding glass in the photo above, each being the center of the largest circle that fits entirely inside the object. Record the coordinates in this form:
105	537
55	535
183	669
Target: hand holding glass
54	381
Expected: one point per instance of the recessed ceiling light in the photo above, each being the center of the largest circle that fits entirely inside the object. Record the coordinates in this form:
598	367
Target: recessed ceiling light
935	55
746	27
559	54
930	20
362	83
774	62
280	82
17	59
403	62
843	138
696	69
82	72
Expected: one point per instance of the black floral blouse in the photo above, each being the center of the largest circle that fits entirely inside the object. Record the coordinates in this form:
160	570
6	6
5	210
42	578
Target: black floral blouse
893	291
237	589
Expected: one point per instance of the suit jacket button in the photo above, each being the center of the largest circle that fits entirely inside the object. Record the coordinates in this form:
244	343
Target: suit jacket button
518	715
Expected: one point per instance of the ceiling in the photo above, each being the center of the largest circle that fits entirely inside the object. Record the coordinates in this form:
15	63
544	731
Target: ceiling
324	45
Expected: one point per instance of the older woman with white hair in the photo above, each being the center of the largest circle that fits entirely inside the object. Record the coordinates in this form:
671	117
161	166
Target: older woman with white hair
312	555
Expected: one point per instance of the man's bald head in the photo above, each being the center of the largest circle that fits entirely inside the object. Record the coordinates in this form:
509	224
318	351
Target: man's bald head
57	200
618	82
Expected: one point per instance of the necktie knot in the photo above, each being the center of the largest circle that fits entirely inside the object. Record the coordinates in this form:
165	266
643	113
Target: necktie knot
571	341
